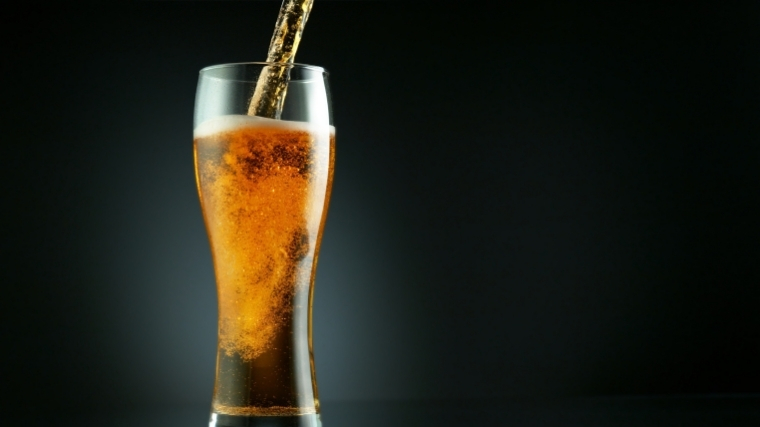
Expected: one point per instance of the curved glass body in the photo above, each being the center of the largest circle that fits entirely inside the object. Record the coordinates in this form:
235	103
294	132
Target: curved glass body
264	186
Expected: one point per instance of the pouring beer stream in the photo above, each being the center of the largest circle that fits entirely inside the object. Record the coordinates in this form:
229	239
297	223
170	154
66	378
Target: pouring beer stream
272	86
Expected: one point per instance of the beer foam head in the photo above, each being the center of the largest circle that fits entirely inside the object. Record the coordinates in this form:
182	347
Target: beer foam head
234	122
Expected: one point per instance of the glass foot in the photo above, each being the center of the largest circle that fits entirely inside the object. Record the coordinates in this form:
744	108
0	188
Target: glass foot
221	420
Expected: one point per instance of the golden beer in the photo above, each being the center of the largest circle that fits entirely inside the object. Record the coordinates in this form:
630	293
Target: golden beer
264	187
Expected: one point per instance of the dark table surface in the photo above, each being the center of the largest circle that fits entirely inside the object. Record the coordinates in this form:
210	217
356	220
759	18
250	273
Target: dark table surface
713	410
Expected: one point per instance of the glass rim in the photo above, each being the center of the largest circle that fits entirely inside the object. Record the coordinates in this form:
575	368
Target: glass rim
264	64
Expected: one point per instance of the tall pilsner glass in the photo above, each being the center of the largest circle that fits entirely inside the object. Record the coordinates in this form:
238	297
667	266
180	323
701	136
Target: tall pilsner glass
264	186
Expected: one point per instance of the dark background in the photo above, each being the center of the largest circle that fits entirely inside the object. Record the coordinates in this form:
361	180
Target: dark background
544	200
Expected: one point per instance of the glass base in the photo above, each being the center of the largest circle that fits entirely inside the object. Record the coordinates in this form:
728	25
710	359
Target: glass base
221	420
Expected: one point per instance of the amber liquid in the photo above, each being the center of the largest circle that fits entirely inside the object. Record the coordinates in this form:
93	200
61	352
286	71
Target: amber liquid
264	187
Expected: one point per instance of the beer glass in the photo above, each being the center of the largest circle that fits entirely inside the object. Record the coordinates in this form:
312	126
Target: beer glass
264	186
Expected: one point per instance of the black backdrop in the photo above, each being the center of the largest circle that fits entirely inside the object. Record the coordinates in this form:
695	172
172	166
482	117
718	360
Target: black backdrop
545	200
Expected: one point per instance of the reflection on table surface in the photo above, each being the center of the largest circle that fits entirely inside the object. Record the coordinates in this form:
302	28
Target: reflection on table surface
712	410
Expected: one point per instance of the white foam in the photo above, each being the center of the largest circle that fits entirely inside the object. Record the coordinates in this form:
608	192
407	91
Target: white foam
234	122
